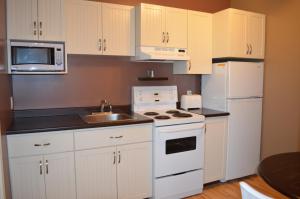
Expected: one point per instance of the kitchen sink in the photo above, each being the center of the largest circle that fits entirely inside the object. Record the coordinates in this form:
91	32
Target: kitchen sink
106	117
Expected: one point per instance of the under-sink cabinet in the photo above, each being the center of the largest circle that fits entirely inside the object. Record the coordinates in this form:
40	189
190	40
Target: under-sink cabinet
42	165
215	148
114	162
35	20
96	28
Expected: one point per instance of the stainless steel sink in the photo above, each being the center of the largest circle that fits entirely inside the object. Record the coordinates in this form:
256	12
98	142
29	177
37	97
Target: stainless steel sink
106	117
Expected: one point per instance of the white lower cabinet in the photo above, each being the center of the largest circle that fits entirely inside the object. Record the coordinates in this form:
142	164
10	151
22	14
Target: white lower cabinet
215	148
122	170
39	177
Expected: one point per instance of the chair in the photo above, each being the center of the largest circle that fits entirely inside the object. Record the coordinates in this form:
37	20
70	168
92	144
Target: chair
249	193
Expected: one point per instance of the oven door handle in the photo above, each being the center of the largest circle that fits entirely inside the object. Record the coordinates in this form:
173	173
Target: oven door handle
177	128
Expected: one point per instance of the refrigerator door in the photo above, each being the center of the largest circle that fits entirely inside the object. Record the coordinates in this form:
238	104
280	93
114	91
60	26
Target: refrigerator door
244	137
245	79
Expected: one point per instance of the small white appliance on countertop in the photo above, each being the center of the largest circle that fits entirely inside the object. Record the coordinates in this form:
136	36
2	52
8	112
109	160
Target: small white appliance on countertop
191	101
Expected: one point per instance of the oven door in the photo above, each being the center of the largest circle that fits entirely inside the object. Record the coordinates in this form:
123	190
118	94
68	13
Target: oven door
178	148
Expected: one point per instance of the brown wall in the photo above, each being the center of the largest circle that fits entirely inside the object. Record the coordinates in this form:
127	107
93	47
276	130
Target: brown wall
92	78
281	112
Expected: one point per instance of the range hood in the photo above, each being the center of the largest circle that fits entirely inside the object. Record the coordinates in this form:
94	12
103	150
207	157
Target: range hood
160	54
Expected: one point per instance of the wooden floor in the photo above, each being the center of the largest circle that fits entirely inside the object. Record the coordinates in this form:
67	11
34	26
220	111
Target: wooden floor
231	190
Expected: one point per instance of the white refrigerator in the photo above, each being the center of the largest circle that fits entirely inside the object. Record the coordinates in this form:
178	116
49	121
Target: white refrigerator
237	87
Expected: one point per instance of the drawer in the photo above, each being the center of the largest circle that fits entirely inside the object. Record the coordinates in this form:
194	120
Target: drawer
40	143
111	136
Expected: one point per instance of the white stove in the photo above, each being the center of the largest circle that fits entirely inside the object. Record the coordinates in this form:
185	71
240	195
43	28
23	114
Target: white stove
178	142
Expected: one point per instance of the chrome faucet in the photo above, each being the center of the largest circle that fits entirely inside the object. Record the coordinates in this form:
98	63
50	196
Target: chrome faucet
103	104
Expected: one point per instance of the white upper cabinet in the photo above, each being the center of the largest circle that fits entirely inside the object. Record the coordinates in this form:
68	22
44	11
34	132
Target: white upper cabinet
99	28
51	19
161	26
238	33
35	20
22	19
118	29
199	45
176	27
82	27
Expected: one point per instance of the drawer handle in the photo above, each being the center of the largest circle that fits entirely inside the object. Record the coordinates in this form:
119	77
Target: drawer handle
47	144
37	145
41	168
118	137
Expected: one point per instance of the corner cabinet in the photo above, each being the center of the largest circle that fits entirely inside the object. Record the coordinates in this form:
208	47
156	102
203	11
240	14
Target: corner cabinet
239	34
99	28
42	165
114	162
199	45
215	148
35	20
161	26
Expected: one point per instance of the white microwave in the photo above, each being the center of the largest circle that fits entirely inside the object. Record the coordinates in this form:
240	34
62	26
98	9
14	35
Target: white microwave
36	57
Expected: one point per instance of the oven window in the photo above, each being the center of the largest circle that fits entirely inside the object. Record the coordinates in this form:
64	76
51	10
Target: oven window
32	55
181	145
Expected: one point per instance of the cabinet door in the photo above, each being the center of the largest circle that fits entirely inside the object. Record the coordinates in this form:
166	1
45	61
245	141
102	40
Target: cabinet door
60	176
82	27
135	171
238	34
118	29
152	25
256	35
176	27
22	19
50	20
200	42
27	177
215	148
96	174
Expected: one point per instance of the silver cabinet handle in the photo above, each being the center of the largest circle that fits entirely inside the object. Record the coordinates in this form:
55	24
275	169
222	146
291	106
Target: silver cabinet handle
250	49
115	157
41	168
104	44
100	44
34	28
37	145
40	28
41	24
190	65
41	32
119	154
118	137
168	37
163	37
47	168
47	144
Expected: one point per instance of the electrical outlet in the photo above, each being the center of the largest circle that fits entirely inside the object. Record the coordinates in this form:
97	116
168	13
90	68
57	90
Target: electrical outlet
11	103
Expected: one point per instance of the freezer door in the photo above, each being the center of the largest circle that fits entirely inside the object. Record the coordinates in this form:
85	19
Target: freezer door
245	79
244	137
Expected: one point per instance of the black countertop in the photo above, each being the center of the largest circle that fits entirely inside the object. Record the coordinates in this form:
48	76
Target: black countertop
34	121
209	112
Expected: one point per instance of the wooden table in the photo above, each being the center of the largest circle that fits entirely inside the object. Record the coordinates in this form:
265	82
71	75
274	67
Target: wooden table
282	172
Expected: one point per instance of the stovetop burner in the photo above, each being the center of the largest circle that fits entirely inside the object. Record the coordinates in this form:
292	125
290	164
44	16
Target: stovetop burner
162	117
172	111
151	113
182	115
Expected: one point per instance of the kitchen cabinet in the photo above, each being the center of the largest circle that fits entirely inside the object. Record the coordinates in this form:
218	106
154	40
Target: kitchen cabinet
35	20
239	34
161	26
199	45
215	148
36	172
99	28
119	166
